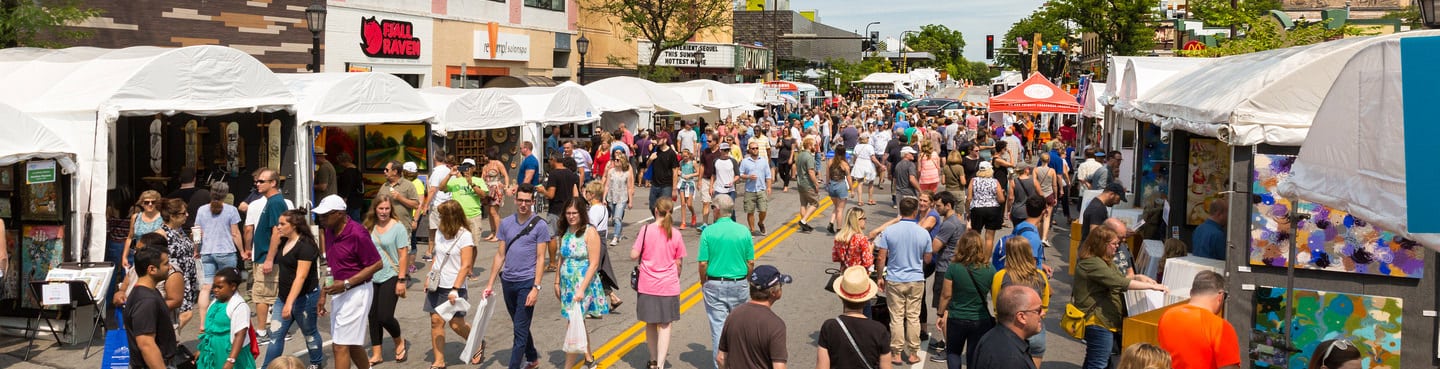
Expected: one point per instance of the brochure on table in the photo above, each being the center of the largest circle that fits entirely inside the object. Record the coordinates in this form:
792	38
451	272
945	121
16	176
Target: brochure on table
95	280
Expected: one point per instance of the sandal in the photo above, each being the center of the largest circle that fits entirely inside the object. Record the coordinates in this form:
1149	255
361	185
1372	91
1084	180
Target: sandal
652	364
479	355
374	363
402	355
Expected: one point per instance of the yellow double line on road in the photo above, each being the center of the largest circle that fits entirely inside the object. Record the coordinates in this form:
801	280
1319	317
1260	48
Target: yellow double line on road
616	348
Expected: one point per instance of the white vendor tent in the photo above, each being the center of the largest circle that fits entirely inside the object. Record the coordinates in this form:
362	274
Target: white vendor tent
759	94
28	139
1353	158
81	92
712	95
1263	97
468	109
553	105
604	103
644	95
1140	75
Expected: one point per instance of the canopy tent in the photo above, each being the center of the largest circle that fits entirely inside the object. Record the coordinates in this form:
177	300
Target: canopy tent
795	87
1353	158
644	95
1092	106
602	102
712	95
1008	78
80	93
1035	95
469	110
883	77
553	105
355	98
1264	97
1138	76
757	93
28	139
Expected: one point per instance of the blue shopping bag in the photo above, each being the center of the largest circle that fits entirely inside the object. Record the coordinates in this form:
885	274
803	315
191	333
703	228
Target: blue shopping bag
117	347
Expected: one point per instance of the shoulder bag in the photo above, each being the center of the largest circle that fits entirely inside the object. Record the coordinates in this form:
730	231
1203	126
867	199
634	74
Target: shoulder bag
635	272
989	303
852	343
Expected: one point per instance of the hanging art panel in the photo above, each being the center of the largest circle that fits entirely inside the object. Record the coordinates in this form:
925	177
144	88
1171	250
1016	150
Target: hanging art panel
1209	172
43	249
398	142
1329	239
1372	323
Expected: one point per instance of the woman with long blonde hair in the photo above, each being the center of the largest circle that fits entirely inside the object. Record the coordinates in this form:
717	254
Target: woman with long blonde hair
852	247
1021	270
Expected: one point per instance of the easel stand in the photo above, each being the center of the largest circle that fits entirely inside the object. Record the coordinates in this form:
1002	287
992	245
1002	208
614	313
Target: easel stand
79	296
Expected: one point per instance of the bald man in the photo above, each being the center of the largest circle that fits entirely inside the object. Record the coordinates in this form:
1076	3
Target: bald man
1123	259
1018	313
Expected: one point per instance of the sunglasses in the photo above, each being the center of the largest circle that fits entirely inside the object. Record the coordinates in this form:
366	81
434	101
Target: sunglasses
1343	344
147	202
259	181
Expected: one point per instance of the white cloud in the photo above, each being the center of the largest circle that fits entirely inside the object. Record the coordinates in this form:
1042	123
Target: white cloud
973	18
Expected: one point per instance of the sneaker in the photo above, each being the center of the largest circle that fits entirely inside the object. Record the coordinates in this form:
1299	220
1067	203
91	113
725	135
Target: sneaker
682	226
289	336
924	336
937	346
613	242
831	228
756	234
937	357
762	228
313	366
700	229
262	340
532	365
805	227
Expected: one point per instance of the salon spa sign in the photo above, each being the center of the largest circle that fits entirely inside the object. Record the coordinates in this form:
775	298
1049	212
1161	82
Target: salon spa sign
388	39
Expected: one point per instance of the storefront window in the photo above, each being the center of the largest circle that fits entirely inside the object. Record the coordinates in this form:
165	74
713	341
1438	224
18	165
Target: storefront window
556	5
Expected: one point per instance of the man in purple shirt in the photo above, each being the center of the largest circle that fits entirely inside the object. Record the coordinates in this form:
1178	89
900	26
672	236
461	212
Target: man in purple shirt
353	260
517	265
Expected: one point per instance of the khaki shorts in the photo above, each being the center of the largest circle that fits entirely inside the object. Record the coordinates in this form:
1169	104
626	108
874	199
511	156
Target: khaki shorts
433	218
756	202
263	291
475	228
703	193
807	196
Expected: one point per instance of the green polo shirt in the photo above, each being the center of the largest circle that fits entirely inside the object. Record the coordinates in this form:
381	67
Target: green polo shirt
726	247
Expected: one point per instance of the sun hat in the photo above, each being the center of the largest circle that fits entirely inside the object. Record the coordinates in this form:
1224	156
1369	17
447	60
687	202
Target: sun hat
855	285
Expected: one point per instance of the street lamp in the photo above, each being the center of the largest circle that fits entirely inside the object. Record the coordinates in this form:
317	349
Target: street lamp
1427	13
582	45
315	21
699	60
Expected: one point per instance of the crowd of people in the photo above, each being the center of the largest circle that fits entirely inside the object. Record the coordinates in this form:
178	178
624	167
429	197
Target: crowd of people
955	183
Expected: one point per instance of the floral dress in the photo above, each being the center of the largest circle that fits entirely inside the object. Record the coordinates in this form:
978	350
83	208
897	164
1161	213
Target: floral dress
575	262
857	251
182	258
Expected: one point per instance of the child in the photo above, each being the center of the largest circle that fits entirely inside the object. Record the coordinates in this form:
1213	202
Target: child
688	176
599	213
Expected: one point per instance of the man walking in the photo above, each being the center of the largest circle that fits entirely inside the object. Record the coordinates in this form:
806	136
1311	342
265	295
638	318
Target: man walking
560	188
906	174
1194	333
1097	210
807	183
726	256
755	170
353	259
518	263
755	339
947	234
1019	314
707	177
664	170
904	249
726	171
263	290
147	318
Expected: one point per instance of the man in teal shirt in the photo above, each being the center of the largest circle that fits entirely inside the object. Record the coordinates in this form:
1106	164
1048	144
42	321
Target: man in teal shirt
727	254
264	291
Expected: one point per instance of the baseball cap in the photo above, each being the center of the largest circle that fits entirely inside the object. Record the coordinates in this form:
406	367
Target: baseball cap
985	165
1117	189
766	276
329	204
410	166
724	145
907	150
468	161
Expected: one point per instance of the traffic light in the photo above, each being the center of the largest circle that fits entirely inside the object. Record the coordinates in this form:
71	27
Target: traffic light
865	45
874	41
989	46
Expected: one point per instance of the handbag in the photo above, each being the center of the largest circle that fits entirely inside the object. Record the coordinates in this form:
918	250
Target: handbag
635	273
852	343
1074	321
830	283
432	278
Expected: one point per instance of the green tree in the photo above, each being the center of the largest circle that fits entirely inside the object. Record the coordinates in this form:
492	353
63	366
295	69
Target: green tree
667	24
947	45
1267	35
1218	13
1044	21
41	23
1408	16
1122	26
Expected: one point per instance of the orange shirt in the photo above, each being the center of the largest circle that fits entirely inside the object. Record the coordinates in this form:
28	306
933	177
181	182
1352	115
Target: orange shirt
1198	339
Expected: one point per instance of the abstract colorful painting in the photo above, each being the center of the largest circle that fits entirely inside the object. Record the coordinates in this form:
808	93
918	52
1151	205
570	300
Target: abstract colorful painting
10	283
1372	323
1329	239
399	142
1209	173
43	249
1154	175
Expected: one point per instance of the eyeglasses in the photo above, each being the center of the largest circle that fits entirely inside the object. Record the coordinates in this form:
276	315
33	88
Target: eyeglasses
1037	311
568	213
259	181
1342	343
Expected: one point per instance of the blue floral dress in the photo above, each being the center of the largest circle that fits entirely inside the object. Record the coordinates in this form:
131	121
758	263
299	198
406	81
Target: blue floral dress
182	257
575	262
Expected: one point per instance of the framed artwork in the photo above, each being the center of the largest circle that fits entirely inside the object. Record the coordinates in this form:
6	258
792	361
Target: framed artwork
7	178
337	140
1127	139
372	182
42	247
585	130
1209	172
5	211
1330	239
42	202
10	283
1372	323
399	142
567	131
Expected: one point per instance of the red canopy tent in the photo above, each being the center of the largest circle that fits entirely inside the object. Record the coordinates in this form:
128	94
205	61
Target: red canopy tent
1035	95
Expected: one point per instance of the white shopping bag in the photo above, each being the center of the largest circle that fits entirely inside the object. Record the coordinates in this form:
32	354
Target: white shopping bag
575	340
483	310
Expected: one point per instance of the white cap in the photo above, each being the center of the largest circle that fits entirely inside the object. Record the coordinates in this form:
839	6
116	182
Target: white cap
907	150
985	165
468	161
410	166
329	204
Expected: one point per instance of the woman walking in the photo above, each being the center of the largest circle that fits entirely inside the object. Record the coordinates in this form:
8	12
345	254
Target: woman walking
835	173
953	174
1099	288
182	255
1022	188
148	220
580	260
659	251
220	235
390	238
965	317
619	189
1020	270
225	338
864	171
454	258
299	289
985	199
784	161
929	167
496	178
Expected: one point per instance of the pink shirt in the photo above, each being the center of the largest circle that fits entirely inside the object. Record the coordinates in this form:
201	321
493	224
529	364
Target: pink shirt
659	270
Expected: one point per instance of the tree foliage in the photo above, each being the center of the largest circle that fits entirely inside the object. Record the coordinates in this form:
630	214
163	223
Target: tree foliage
41	23
855	71
665	23
1044	21
1218	13
947	45
1410	15
1122	26
1267	35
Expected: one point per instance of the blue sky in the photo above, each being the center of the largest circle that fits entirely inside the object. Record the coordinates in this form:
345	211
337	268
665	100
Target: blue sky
973	18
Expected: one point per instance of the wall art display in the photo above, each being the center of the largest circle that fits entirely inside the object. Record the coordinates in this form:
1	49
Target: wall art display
1372	323
1209	172
42	202
10	282
5	210
372	182
337	140
7	178
1153	179
399	142
42	247
1329	239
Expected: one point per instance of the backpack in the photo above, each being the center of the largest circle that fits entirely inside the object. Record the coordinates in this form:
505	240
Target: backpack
997	257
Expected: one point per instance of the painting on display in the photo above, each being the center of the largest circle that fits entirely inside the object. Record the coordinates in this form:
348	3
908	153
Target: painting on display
41	202
338	140
398	142
43	249
1154	166
1372	323
1329	239
372	183
7	178
10	282
1209	172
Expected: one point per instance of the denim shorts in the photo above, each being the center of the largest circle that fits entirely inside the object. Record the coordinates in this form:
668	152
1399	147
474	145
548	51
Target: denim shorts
211	263
837	189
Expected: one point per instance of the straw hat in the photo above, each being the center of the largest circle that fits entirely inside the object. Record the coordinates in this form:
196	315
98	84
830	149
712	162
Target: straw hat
855	285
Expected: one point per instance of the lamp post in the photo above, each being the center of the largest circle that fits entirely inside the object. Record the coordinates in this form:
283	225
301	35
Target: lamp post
1427	14
699	60
315	21
582	45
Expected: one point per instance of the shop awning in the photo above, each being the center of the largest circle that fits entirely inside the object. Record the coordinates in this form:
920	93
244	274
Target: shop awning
645	95
520	81
552	105
473	109
355	98
28	139
1035	95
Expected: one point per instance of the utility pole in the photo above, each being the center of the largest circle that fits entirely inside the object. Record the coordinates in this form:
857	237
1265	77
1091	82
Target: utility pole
1035	54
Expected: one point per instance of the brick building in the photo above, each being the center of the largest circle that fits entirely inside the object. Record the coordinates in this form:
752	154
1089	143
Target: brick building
274	31
795	55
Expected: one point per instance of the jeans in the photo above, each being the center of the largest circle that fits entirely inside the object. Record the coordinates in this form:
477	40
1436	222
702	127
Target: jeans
905	301
617	218
304	311
961	336
720	298
523	349
656	192
1099	343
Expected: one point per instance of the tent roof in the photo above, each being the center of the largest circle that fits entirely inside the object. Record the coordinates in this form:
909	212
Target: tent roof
1008	77
142	80
553	105
1263	97
1035	95
1137	76
26	139
1093	107
355	98
713	95
470	110
794	86
645	95
885	78
755	92
604	103
1353	158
